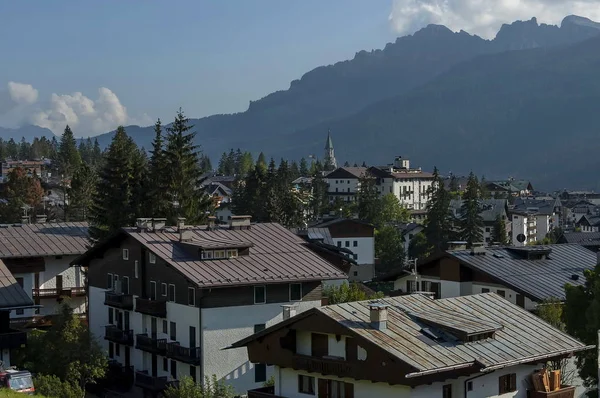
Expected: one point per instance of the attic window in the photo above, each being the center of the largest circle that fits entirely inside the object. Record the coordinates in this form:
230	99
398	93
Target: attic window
218	254
481	336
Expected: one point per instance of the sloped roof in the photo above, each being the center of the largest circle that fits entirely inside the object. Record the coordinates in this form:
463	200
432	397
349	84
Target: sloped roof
347	172
581	238
11	293
538	279
327	223
519	335
490	208
276	255
44	239
542	206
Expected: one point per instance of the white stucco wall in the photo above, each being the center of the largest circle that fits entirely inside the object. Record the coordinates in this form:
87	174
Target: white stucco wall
222	327
28	281
363	247
5	357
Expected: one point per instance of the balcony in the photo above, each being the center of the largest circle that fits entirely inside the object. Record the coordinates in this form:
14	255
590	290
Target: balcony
148	382
116	335
56	293
156	308
184	354
563	392
150	344
264	392
118	300
12	339
325	366
119	376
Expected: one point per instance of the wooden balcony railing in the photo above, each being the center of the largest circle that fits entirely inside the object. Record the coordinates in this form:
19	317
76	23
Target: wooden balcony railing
148	382
55	293
149	344
325	366
564	392
157	308
184	354
123	301
114	334
12	339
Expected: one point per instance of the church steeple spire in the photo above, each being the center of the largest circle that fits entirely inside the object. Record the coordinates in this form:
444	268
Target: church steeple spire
330	162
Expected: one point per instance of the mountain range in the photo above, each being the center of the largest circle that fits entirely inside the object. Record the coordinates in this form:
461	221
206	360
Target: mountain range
523	105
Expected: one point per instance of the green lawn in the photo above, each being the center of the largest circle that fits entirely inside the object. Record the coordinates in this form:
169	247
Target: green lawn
6	393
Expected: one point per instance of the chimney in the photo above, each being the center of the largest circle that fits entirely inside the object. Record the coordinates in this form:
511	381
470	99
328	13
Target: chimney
212	221
457	245
158	224
40	218
378	311
185	235
240	222
289	311
24	219
141	223
180	223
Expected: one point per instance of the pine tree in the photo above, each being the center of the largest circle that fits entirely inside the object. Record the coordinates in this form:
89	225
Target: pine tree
245	164
24	148
140	194
184	172
471	221
319	200
96	154
294	171
205	164
68	155
369	203
158	196
499	231
262	162
12	149
304	172
83	188
453	185
438	224
111	209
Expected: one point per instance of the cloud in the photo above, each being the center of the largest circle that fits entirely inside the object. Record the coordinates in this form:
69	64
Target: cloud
85	116
22	94
484	17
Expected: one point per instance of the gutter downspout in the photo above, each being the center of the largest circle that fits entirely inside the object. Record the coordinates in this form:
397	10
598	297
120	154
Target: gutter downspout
471	379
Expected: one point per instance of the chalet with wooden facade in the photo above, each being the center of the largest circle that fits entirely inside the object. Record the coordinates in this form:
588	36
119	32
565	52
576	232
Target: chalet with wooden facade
523	275
38	256
409	346
165	300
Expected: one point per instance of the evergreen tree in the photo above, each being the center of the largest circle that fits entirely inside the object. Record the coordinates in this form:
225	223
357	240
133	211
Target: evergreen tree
245	164
248	195
304	172
471	221
205	164
438	224
346	164
24	148
83	188
68	155
389	248
222	167
111	208
319	200
139	202
484	192
294	171
369	203
2	149
262	161
184	172
158	196
96	154
453	186
12	149
499	231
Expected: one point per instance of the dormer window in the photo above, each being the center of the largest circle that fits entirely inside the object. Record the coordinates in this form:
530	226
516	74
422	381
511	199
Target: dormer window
207	255
219	254
232	253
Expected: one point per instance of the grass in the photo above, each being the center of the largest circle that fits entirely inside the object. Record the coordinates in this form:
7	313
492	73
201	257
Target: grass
6	393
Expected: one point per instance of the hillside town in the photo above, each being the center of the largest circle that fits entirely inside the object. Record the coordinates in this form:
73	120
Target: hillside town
132	276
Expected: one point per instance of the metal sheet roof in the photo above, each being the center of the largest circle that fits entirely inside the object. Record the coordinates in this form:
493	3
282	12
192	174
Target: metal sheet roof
539	279
44	239
277	255
522	335
581	238
11	293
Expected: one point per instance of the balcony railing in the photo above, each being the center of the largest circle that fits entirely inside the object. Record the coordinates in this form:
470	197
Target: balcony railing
77	291
184	354
54	292
325	366
114	334
157	308
264	392
152	345
119	300
564	392
12	339
148	382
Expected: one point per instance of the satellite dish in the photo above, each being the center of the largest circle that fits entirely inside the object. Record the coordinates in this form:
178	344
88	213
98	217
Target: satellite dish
521	238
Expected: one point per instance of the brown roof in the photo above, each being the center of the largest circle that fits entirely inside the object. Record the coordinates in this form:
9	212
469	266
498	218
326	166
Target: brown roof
11	293
344	172
44	239
277	255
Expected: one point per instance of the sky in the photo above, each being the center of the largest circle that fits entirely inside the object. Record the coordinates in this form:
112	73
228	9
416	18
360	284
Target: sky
100	63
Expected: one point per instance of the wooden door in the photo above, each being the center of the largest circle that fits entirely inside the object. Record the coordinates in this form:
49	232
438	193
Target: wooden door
319	345
192	337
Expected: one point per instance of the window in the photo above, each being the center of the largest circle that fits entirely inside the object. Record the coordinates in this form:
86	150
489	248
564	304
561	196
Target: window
172	292
165	364
347	243
116	285
109	282
174	369
412	286
339	389
447	391
136	270
232	253
319	345
259	327
193	373
502	293
118	350
485	290
125	254
470	386
260	373
207	255
219	254
163	289
306	385
191	296
165	328
151	258
260	295
125	285
295	292
355	273
355	243
348	181
355	256
152	290
173	334
339	244
487	229
111	316
507	383
111	349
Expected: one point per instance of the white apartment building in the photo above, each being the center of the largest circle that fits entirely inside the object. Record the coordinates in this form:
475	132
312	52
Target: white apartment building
343	183
164	301
409	346
38	256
